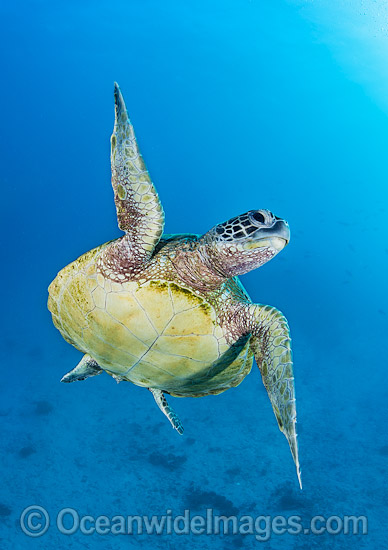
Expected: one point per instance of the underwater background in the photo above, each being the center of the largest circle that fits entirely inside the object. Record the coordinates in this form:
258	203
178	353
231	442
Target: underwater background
237	105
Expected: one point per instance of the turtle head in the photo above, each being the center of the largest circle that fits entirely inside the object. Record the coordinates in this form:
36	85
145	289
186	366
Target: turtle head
246	242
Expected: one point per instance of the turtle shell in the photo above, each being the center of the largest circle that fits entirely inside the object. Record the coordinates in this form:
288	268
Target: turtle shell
157	334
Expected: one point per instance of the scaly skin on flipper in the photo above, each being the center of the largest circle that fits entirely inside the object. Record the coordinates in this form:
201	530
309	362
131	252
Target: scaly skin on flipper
86	367
139	211
167	410
271	346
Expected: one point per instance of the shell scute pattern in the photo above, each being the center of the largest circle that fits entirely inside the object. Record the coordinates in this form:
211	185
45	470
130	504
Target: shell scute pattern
113	359
185	323
198	347
79	291
157	305
118	334
75	301
99	297
73	309
125	309
153	332
92	283
167	368
143	372
183	299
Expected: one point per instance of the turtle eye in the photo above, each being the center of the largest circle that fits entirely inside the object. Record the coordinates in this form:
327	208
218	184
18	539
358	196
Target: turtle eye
258	216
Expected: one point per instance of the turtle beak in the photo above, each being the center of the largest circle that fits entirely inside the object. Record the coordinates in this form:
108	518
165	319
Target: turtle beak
277	236
280	229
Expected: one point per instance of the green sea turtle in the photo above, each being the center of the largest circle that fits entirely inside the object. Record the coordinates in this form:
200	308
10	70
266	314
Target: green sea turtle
168	312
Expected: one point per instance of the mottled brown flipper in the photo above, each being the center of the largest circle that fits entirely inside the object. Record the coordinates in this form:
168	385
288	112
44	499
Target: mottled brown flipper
139	211
271	346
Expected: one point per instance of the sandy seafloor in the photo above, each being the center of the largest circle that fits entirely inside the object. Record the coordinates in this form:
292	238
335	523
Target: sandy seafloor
237	105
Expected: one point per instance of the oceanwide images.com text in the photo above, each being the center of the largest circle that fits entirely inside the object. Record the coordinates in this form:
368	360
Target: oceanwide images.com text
35	521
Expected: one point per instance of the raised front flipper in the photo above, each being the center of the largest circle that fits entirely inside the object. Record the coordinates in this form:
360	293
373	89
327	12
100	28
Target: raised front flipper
86	367
271	346
139	211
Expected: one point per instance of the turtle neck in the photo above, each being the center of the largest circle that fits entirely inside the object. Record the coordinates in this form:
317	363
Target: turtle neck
196	269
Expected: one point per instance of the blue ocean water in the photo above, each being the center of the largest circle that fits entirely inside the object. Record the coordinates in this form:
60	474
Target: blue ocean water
237	105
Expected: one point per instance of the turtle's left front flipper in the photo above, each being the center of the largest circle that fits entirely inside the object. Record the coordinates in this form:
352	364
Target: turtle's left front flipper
86	367
271	346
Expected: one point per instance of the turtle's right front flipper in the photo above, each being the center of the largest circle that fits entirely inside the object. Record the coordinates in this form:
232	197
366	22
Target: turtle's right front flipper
86	367
271	346
139	211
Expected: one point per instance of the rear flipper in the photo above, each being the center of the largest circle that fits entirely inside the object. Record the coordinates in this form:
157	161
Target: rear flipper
161	402
86	367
